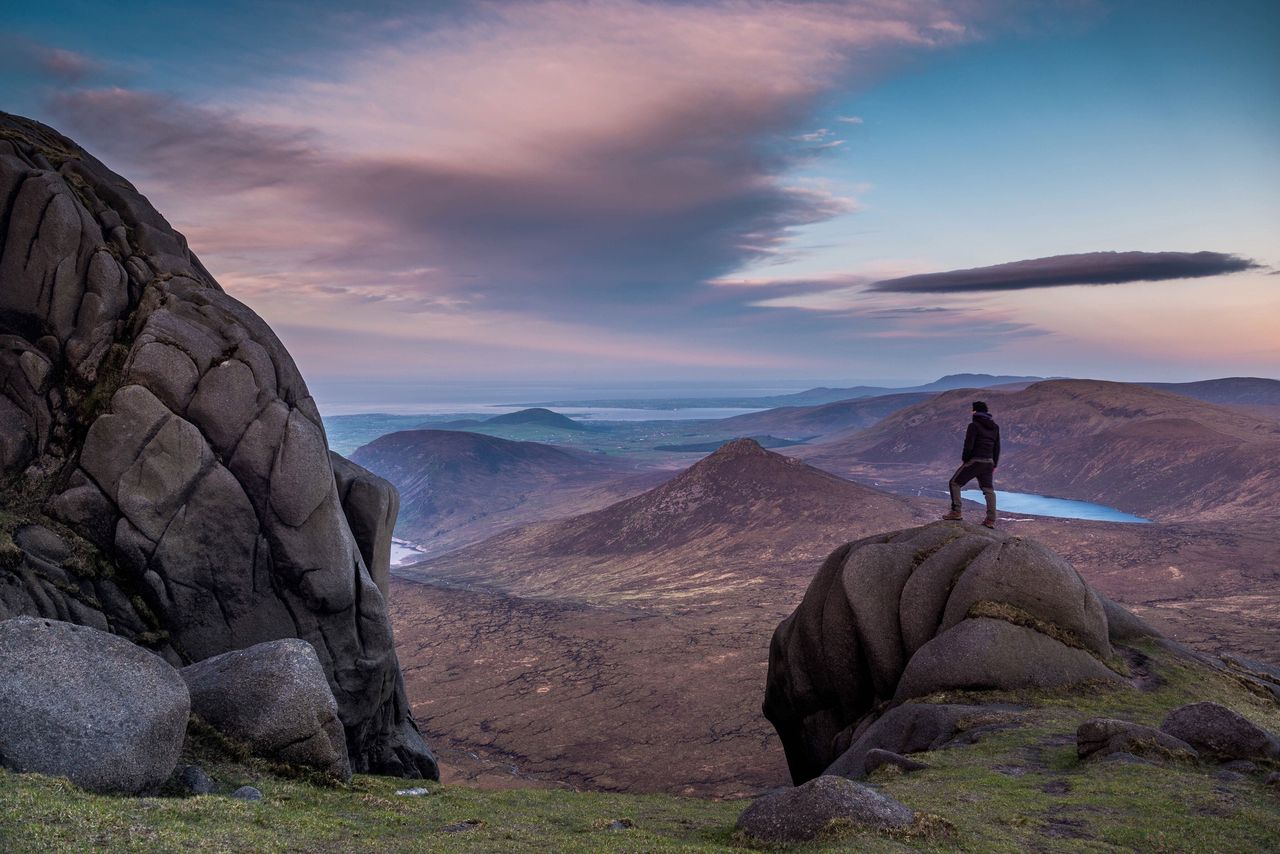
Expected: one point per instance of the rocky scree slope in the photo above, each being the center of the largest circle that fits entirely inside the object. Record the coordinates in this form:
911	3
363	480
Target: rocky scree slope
166	474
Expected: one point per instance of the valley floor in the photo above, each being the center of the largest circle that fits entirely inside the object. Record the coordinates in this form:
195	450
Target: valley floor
543	692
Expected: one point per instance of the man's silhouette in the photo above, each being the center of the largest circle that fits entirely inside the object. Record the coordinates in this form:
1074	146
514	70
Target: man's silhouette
980	457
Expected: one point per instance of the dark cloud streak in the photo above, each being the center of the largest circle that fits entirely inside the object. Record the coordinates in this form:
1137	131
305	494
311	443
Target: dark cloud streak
1089	268
186	145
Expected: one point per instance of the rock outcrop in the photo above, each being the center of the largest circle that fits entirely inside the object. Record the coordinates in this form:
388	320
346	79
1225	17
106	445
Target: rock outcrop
824	806
1097	738
912	728
79	703
903	615
272	697
371	505
1217	731
168	476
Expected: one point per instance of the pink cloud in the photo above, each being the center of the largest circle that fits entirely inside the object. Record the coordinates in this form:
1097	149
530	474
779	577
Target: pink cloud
596	162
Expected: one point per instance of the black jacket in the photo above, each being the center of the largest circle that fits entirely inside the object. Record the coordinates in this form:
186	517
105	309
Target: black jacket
982	440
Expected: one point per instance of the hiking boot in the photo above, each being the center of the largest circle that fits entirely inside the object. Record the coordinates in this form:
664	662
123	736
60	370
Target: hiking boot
989	523
953	516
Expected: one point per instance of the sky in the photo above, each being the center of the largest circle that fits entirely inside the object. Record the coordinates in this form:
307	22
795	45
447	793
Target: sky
704	191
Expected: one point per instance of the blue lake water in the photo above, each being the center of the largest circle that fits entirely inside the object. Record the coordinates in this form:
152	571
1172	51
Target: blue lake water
1043	505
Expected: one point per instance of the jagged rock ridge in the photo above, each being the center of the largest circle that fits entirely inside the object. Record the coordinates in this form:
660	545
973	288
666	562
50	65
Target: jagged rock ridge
167	473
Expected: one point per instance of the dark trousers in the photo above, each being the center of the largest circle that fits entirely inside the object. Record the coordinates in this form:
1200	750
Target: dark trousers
983	471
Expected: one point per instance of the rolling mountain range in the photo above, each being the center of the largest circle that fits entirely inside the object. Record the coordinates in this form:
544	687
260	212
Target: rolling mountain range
1235	391
827	418
809	397
1254	394
723	524
1145	451
458	488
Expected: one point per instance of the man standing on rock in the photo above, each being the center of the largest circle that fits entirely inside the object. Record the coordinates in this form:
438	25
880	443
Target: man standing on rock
980	457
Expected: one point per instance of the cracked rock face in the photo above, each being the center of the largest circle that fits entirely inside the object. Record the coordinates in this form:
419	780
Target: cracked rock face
902	615
167	472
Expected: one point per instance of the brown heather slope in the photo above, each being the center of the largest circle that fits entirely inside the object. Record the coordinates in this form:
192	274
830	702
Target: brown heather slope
723	525
458	488
1145	451
1228	391
1258	396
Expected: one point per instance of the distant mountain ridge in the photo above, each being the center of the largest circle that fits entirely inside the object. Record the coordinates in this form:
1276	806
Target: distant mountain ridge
1228	391
823	419
809	397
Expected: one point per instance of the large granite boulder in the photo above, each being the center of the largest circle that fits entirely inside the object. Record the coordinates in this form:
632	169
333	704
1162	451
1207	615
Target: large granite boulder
77	702
274	698
159	430
902	615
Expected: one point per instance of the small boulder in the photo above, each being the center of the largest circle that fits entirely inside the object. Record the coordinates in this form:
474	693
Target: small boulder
1217	730
1099	737
247	793
803	813
80	703
275	699
191	780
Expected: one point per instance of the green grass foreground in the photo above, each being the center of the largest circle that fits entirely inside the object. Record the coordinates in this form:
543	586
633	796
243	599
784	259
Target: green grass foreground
1018	789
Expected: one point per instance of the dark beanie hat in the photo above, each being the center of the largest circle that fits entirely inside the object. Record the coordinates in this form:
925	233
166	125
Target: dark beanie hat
979	406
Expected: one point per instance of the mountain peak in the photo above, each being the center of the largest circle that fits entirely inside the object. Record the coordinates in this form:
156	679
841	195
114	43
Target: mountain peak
740	448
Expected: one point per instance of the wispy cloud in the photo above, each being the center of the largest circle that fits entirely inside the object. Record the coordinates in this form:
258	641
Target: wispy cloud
1090	268
20	54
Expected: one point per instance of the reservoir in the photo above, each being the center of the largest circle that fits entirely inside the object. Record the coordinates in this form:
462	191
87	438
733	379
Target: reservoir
1043	505
403	553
